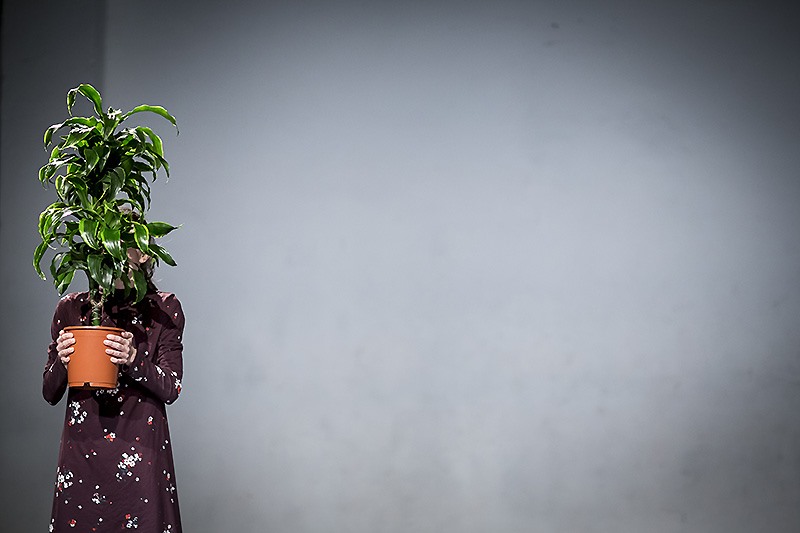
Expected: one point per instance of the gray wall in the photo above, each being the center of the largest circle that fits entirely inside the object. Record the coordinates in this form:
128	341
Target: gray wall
46	50
452	266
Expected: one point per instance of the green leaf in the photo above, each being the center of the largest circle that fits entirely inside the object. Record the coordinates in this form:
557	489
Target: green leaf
63	281
71	235
109	126
56	262
50	218
95	263
37	258
112	243
74	138
48	134
112	219
158	163
127	165
137	199
84	121
126	285
103	152
128	138
91	159
71	99
140	282
146	191
43	177
116	179
60	186
157	109
158	145
48	170
142	235
140	134
162	254
149	163
91	93
45	220
88	230
81	191
107	279
159	229
101	273
64	159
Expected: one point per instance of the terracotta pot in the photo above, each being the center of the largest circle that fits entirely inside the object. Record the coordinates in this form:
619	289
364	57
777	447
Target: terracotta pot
89	366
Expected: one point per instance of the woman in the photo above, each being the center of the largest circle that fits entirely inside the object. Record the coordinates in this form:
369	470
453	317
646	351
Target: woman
115	467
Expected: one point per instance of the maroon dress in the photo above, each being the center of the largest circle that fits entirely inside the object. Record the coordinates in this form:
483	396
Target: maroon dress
115	468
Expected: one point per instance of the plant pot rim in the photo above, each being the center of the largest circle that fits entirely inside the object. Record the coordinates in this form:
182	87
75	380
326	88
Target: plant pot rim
94	328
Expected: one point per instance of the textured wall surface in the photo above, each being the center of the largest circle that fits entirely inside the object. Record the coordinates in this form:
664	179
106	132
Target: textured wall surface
452	266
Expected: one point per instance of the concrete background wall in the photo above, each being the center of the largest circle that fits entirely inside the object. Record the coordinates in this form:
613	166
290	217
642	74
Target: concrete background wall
447	266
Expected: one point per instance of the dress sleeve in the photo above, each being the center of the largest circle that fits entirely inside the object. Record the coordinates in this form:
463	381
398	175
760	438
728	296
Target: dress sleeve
162	375
54	380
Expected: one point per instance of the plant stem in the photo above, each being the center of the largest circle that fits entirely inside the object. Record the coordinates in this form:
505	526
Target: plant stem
96	300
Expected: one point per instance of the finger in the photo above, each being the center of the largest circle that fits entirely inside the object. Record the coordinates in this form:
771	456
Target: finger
116	353
115	338
119	359
67	342
127	335
62	347
116	345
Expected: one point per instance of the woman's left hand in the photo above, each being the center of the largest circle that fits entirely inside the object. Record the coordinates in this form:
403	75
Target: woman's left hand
120	348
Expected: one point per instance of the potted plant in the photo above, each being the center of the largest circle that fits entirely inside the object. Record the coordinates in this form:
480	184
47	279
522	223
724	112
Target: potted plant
101	173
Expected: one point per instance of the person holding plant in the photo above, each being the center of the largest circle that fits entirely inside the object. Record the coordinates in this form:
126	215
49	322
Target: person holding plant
115	467
115	464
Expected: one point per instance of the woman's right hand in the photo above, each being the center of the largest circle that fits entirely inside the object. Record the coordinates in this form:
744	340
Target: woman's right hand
64	346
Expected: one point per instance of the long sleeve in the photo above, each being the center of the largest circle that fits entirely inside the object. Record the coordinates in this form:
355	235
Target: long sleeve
161	373
54	379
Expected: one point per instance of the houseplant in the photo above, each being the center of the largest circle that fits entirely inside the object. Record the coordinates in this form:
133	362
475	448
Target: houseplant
101	173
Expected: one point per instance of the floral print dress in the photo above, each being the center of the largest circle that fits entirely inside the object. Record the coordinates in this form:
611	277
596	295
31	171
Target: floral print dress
115	467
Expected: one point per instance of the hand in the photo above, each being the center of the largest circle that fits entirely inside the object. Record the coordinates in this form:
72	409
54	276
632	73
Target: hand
120	348
64	346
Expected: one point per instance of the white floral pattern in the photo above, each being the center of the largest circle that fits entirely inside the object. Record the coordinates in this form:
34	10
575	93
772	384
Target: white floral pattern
132	522
78	414
63	480
125	466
